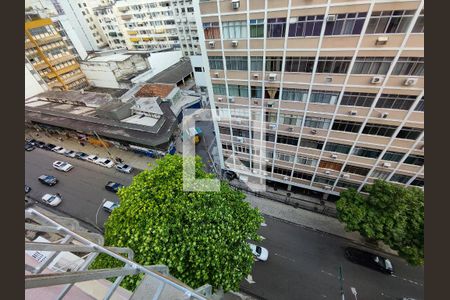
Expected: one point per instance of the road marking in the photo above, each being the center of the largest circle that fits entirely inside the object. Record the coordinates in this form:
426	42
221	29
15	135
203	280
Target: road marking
263	224
262	238
408	280
328	273
323	296
249	279
282	256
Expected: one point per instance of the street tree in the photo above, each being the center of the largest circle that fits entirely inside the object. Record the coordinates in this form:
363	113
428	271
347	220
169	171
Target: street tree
201	236
390	213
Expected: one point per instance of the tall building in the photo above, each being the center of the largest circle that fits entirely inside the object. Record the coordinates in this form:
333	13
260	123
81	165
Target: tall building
336	90
47	57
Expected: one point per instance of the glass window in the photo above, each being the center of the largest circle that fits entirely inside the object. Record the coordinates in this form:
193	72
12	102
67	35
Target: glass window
325	97
330	165
377	129
338	65
400	178
372	65
421	105
315	122
276	27
335	147
358	99
394	101
420	23
418	182
308	143
239	63
299	64
215	62
347	184
393	156
356	170
348	126
237	90
256	91
346	24
396	21
294	94
380	174
417	160
366	152
256	63
219	89
257	28
324	180
307	161
289	140
409	133
274	63
411	66
234	30
289	119
301	175
305	26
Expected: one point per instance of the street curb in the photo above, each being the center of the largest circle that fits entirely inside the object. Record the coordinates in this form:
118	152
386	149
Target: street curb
252	294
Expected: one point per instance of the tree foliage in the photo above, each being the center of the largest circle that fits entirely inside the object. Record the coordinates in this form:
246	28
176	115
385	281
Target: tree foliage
201	236
390	213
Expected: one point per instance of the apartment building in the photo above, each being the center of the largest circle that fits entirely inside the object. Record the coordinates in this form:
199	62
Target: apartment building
48	55
106	16
323	95
187	28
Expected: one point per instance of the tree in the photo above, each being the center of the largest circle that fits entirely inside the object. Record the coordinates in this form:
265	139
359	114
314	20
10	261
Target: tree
390	213
201	236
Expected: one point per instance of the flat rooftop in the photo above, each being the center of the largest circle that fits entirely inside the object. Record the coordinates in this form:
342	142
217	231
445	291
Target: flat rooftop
148	104
115	93
82	97
107	58
155	90
174	73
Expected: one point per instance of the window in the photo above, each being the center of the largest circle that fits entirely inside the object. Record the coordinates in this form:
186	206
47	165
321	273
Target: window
211	30
324	180
239	63
256	91
307	161
396	21
420	23
371	65
314	122
299	64
240	132
378	129
335	147
219	89
417	160
358	99
282	171
294	94
394	101
325	97
347	184
270	117
288	119
393	156
289	140
270	137
305	26
348	126
330	165
411	66
257	28
224	130
418	182
338	65
356	170
271	92
380	174
199	69
215	62
276	27
234	30
350	23
366	152
273	63
400	178
421	105
256	63
409	133
307	143
285	157
237	90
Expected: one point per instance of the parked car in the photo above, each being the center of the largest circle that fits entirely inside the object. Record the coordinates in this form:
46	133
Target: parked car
92	158
27	189
109	206
29	147
370	260
39	144
259	252
62	166
51	199
81	155
70	153
59	150
230	175
48	180
124	168
105	162
49	147
31	141
113	186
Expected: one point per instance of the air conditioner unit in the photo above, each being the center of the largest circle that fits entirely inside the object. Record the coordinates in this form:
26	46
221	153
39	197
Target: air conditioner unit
346	175
327	187
216	75
410	81
239	139
328	79
265	173
212	44
231	99
290	129
272	77
313	131
384	115
256	76
331	18
255	102
234	44
235	4
327	172
386	165
272	126
333	156
220	99
255	172
376	79
352	112
382	40
285	178
270	104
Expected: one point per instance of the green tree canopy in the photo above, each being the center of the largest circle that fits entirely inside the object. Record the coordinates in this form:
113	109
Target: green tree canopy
201	236
390	213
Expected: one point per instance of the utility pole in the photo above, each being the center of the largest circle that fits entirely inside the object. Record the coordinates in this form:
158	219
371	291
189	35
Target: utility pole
341	279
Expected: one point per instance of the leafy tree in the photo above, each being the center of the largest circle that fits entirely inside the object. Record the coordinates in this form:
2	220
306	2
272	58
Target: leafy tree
390	213
201	236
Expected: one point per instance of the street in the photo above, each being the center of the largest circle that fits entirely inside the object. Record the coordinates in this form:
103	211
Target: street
302	264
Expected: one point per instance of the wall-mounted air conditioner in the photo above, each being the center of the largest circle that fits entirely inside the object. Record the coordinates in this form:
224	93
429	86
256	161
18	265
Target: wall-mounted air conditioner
376	79
327	187
290	129
220	99
272	126
235	4
255	76
231	99
410	81
255	102
239	139
382	40
285	178
234	44
333	156
345	175
328	79
216	74
384	115
386	164
313	131
270	104
212	44
327	172
352	113
272	77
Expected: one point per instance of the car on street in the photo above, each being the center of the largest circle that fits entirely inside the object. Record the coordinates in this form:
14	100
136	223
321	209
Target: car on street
81	155
105	162
48	180
113	186
51	199
29	147
230	175
62	166
48	147
369	260
59	150
124	168
92	158
27	189
109	206
259	252
70	153
31	141
39	144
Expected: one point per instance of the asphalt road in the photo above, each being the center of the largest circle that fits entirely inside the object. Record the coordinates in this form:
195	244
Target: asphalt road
82	188
303	264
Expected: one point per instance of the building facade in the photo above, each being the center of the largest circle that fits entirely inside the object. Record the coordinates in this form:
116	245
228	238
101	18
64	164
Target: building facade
333	91
47	54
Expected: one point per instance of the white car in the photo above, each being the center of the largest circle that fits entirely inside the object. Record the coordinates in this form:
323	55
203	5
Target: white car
52	200
105	162
109	206
124	168
62	166
260	253
70	153
92	158
59	149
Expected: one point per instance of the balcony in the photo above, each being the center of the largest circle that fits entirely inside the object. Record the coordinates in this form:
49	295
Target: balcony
63	70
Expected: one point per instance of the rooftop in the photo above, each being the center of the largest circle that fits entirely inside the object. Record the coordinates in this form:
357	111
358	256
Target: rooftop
108	58
147	104
174	73
155	90
115	93
81	97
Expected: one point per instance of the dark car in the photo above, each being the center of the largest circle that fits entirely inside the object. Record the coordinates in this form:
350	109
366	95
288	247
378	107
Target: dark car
81	155
27	189
230	175
113	186
48	180
370	260
39	144
49	146
29	147
31	141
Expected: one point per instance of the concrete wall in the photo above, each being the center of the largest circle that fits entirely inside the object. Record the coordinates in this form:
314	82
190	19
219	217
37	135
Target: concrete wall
158	62
100	75
72	35
200	77
32	86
